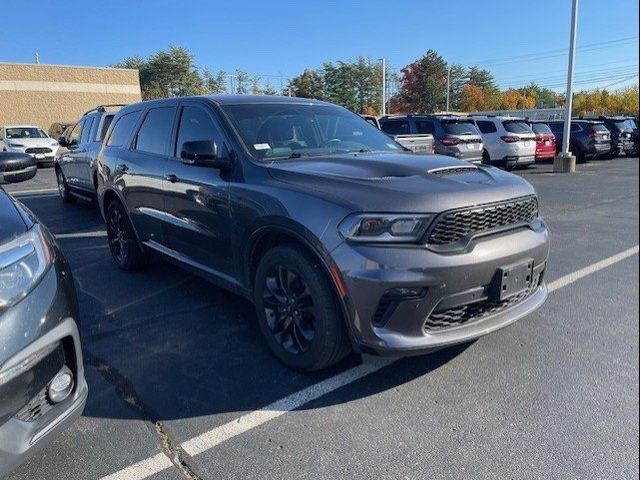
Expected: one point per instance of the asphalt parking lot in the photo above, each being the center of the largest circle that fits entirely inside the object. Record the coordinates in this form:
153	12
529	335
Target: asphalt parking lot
179	375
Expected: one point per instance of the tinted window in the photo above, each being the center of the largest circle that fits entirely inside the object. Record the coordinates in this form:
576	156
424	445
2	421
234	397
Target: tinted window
556	128
575	127
599	127
486	127
395	127
622	125
425	126
459	128
122	129
105	126
516	126
540	128
155	131
86	130
195	125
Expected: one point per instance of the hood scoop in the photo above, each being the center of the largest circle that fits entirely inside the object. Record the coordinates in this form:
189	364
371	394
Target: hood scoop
457	170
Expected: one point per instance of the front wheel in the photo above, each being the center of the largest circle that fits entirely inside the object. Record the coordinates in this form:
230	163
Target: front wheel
63	188
297	310
123	243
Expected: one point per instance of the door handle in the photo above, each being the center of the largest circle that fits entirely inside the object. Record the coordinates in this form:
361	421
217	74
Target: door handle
122	168
172	178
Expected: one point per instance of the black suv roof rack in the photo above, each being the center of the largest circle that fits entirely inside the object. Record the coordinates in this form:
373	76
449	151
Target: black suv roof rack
102	108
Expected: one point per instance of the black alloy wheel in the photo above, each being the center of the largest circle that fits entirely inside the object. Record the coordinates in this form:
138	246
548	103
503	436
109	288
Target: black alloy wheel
123	243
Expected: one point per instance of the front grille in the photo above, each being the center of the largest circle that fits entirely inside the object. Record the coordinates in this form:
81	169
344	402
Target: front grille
456	316
453	226
38	150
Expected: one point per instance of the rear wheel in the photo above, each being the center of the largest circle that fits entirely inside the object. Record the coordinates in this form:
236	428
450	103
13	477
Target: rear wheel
297	311
486	160
63	188
123	243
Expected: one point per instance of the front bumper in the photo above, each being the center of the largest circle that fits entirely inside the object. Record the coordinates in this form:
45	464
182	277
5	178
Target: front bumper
45	317
371	271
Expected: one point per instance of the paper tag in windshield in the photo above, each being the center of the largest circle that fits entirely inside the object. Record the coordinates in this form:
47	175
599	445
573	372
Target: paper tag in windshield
261	146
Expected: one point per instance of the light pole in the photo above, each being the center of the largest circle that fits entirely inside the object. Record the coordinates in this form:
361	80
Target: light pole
383	111
448	85
565	162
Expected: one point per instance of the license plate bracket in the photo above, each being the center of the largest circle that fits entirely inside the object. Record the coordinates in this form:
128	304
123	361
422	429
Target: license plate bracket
513	279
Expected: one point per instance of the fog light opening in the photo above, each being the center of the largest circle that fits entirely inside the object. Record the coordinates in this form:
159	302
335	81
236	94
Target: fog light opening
61	385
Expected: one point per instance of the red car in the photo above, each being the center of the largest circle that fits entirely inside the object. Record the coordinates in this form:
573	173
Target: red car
545	141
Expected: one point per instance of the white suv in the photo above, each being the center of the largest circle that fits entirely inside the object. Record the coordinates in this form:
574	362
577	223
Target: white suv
30	139
508	141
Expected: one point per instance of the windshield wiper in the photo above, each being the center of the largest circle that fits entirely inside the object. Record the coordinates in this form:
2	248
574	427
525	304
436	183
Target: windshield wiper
296	155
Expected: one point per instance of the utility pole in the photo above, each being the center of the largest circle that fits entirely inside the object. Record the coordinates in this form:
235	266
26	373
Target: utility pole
37	55
384	86
448	85
565	162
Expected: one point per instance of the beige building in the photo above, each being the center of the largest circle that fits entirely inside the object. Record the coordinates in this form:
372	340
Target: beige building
40	95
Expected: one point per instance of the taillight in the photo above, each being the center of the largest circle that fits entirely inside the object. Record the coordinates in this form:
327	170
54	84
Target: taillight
448	141
510	138
594	133
539	138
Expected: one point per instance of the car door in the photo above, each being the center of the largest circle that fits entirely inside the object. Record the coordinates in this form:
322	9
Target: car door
82	154
68	160
197	197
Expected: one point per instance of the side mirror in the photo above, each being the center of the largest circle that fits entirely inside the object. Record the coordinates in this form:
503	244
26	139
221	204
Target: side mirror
17	167
202	153
62	141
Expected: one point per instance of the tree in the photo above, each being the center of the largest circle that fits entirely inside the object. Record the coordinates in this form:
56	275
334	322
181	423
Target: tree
354	85
483	79
241	81
214	83
424	83
473	98
269	90
309	84
457	80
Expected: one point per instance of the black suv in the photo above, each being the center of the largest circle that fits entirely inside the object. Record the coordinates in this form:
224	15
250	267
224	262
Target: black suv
338	236
588	138
454	136
75	164
621	134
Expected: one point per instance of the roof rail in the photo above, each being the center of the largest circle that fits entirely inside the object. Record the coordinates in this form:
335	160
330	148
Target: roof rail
102	108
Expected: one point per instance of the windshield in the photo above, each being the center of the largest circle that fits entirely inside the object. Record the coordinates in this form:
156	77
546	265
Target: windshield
631	123
25	132
277	131
623	125
540	128
516	126
456	127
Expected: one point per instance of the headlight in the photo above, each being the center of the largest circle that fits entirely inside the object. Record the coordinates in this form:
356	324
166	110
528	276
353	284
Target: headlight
374	227
23	262
13	144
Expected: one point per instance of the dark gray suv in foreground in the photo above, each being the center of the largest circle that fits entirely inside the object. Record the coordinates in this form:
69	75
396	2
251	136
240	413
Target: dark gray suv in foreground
339	237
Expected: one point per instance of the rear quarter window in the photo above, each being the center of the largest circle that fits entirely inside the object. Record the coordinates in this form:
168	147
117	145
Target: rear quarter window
540	128
486	126
396	127
516	126
155	132
106	123
459	128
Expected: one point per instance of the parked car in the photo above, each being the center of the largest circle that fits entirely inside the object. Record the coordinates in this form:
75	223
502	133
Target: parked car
338	236
29	139
56	130
417	143
545	140
588	138
509	142
75	167
454	136
621	134
17	167
42	385
632	123
372	119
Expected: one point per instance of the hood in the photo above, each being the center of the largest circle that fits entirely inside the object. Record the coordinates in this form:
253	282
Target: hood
33	142
11	222
400	182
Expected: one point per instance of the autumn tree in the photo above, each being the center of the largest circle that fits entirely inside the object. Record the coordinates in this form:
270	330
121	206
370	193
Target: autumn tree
473	99
424	83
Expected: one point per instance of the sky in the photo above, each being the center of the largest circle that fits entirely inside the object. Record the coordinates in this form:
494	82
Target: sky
518	41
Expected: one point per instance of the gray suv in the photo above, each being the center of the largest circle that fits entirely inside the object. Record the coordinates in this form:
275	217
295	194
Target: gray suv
339	237
75	164
453	135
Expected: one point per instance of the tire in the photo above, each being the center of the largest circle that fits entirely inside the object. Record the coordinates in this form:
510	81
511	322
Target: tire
63	188
125	249
580	158
486	160
302	323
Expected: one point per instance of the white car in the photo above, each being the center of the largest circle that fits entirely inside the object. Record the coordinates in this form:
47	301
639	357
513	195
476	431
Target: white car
29	139
508	141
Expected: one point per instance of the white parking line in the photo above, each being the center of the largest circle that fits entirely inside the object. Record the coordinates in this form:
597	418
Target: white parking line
33	192
244	423
95	234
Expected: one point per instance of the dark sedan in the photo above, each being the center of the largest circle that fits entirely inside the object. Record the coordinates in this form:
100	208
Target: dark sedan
42	385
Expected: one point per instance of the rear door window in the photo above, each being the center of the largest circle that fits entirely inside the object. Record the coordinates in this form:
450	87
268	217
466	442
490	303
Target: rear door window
395	127
459	128
86	130
155	132
425	126
486	127
122	129
516	126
